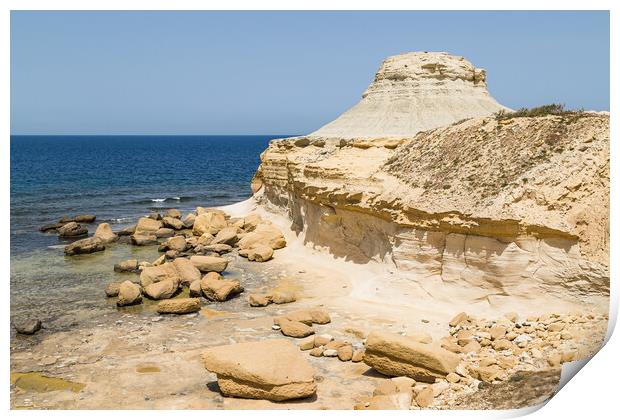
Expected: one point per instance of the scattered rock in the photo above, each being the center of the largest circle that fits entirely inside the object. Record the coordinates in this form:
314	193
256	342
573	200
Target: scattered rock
306	344
396	355
330	353
147	225
209	222
345	353
178	306
294	328
280	297
174	213
215	288
85	246
207	264
104	232
72	229
154	274
142	239
317	352
358	355
112	289
227	235
188	273
177	243
194	289
172	223
271	369
425	397
128	294
128	231
164	233
28	327
458	319
260	253
85	218
161	289
125	266
256	299
263	234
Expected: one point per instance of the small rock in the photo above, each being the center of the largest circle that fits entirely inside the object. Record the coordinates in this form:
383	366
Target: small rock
330	353
28	327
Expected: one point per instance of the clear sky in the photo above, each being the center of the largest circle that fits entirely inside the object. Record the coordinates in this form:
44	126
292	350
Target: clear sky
277	72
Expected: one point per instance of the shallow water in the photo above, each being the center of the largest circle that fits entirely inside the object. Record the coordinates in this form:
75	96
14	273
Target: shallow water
119	179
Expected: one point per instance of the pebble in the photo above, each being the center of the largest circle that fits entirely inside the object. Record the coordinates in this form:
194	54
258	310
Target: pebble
275	327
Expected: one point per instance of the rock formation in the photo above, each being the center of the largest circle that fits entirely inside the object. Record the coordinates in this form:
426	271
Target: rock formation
479	211
415	92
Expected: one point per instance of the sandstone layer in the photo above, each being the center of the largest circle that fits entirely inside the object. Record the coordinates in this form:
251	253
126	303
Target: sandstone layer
414	92
480	211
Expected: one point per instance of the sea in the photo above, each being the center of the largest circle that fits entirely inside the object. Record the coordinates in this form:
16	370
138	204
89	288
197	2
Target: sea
118	179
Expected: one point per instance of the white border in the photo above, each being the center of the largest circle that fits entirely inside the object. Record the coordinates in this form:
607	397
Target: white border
592	395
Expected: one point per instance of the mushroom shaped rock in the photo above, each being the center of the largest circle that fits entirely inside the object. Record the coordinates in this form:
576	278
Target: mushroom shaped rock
272	369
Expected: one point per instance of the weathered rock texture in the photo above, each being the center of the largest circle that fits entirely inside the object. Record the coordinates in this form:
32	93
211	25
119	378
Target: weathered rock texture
415	92
272	369
494	208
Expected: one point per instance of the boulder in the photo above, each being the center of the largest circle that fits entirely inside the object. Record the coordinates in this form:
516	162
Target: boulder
264	234
142	239
147	225
294	328
155	274
260	253
459	319
104	232
219	248
396	355
205	239
188	273
251	221
280	297
72	229
85	218
358	356
161	290
188	220
50	227
85	246
128	294
345	353
174	213
177	243
425	397
209	222
112	289
306	344
128	231
271	369
125	266
207	264
215	288
178	306
257	299
227	235
194	289
164	233
172	223
28	327
154	215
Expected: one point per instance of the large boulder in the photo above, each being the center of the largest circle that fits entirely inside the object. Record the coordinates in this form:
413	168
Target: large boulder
147	225
271	369
207	264
161	290
188	220
104	232
188	273
172	223
85	246
263	234
155	274
227	236
215	288
178	306
209	222
72	229
128	294
396	355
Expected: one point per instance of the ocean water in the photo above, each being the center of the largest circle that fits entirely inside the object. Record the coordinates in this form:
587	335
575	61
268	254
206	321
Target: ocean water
119	179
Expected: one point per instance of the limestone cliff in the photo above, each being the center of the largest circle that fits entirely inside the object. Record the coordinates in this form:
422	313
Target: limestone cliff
495	208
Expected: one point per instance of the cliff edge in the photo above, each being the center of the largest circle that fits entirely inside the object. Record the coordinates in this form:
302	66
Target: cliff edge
486	209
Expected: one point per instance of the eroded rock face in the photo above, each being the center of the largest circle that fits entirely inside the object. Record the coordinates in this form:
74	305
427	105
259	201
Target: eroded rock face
396	355
415	92
514	210
270	369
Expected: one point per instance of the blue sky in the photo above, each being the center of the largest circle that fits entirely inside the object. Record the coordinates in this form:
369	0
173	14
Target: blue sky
277	72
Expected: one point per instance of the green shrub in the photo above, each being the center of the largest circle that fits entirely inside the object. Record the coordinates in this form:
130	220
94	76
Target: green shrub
539	111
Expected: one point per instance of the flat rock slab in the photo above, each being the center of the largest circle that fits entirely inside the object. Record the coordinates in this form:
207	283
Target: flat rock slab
272	369
397	355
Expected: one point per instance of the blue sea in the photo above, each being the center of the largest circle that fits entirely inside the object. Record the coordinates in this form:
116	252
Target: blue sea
119	179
